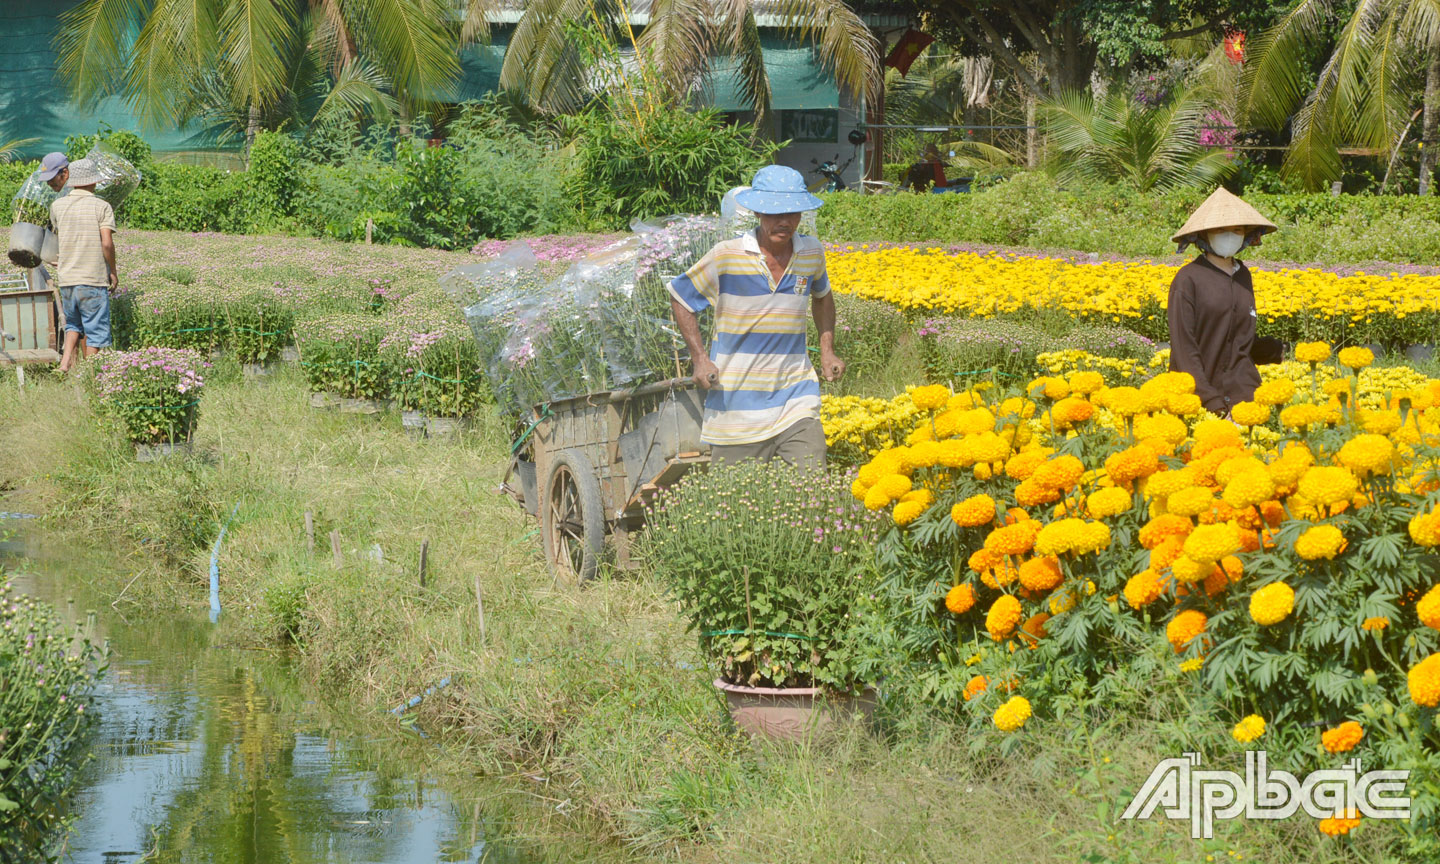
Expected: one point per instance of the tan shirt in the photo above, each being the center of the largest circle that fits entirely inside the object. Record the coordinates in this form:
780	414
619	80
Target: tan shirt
78	218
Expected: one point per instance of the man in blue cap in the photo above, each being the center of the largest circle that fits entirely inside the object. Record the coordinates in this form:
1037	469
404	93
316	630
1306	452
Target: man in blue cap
763	397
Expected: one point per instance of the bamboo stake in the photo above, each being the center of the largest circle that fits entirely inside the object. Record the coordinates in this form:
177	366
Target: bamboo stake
424	561
310	532
336	558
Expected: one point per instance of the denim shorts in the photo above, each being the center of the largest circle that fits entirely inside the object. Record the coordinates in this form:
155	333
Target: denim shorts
87	312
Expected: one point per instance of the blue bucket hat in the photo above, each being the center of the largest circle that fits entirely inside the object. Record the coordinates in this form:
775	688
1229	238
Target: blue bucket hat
776	190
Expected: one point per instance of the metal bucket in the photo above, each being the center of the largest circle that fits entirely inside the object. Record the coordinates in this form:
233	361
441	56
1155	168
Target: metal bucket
50	249
27	243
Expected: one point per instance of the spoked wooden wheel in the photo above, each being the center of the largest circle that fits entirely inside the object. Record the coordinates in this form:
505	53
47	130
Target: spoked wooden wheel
572	518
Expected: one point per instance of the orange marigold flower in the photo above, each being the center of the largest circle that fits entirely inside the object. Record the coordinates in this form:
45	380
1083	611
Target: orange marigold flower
1338	825
1003	617
1375	624
1061	473
1041	574
960	598
1343	738
1014	539
1033	630
1424	682
974	511
1184	627
1144	588
1032	494
1167	553
975	686
1159	529
1428	609
1131	464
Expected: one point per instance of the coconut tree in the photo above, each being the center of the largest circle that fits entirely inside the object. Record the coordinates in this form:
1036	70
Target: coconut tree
1364	92
161	54
547	60
1116	139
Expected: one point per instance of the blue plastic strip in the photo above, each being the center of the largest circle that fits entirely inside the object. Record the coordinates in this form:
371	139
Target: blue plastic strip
215	567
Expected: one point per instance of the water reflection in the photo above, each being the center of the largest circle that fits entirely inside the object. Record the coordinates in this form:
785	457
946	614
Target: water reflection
210	753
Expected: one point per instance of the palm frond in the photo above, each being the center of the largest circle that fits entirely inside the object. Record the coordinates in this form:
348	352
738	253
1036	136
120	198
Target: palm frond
846	45
255	41
360	88
411	39
677	43
1275	78
91	45
1312	157
475	25
179	37
543	60
8	149
739	37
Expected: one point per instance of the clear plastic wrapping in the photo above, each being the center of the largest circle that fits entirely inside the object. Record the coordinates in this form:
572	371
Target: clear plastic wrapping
32	203
118	178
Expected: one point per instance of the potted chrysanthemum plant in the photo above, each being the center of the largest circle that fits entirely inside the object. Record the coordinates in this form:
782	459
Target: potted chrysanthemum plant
766	563
153	396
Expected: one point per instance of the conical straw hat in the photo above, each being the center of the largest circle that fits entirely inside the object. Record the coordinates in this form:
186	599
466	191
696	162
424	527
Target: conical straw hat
1223	210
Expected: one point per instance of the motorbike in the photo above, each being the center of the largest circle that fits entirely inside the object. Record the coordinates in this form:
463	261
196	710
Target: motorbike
831	170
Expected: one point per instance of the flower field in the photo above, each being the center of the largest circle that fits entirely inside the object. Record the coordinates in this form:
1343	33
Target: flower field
1391	308
1046	535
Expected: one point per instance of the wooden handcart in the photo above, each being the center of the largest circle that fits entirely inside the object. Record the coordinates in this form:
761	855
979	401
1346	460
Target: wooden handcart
587	467
31	329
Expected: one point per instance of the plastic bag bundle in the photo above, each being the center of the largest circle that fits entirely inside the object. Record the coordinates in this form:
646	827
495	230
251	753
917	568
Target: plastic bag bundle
32	203
118	178
477	281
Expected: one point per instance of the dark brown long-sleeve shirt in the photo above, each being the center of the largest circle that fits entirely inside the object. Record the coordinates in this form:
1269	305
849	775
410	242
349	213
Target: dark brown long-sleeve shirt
1212	332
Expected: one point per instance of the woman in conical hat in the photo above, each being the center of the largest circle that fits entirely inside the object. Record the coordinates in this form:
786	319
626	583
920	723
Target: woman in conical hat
1212	303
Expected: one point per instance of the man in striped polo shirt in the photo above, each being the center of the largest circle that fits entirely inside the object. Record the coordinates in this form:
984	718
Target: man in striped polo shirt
763	397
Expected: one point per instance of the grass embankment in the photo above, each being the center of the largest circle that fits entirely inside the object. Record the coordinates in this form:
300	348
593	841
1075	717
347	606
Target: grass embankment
594	691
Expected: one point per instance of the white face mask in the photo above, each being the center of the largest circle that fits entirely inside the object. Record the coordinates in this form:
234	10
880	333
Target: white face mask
1226	243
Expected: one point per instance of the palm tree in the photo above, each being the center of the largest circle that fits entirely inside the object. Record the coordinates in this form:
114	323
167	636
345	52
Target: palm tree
168	57
10	149
1115	139
549	64
1365	89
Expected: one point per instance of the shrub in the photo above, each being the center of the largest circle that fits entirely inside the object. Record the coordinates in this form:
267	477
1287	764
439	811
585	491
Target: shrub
867	334
271	179
44	721
766	562
175	197
152	394
673	160
434	357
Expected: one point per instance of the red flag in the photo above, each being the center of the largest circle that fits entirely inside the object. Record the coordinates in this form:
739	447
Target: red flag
907	49
1235	46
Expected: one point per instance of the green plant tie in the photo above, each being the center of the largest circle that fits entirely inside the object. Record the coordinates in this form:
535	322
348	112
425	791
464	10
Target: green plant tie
447	380
746	632
163	407
544	415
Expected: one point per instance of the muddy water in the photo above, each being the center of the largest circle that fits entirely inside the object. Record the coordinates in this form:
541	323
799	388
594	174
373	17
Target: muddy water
210	752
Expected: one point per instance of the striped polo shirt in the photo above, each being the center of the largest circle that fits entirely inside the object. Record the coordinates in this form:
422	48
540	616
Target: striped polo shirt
767	382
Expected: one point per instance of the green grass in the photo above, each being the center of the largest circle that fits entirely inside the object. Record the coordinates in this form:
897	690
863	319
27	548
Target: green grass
595	689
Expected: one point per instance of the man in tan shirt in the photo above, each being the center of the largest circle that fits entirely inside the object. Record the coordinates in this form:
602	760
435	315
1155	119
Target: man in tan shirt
86	270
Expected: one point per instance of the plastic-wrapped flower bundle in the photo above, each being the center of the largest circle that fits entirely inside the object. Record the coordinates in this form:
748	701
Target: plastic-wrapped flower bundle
118	178
32	203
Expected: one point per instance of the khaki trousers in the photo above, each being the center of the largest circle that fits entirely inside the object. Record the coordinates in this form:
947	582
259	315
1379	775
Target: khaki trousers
802	444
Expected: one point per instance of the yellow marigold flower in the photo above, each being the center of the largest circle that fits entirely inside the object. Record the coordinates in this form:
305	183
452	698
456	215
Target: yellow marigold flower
974	511
1003	616
1375	624
924	496
1185	404
960	598
1023	464
1190	502
1380	422
1428	609
1016	539
1188	571
1425	528
1131	464
975	686
1335	387
1171	430
1192	665
925	454
894	486
1302	416
1249	488
906	512
989	447
1041	574
1248	729
1320	541
1312	352
929	398
1210	543
1061	473
1107	502
1343	738
1086	383
1093	537
1051	388
983	559
1272	604
1232	567
1213	434
1355	357
1144	588
1424	681
1250	413
1163	527
876	499
1290	467
1062	601
1163	484
1058	537
975	421
1184	627
1277	392
1335	826
1012	715
1367	454
858	489
1327	485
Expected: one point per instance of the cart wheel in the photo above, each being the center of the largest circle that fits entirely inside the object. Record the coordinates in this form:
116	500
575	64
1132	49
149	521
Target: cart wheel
572	520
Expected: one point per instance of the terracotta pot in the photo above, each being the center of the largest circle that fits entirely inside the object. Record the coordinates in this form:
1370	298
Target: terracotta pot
792	713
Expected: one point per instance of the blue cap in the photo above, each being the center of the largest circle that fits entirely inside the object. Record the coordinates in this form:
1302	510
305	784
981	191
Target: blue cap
52	164
776	190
